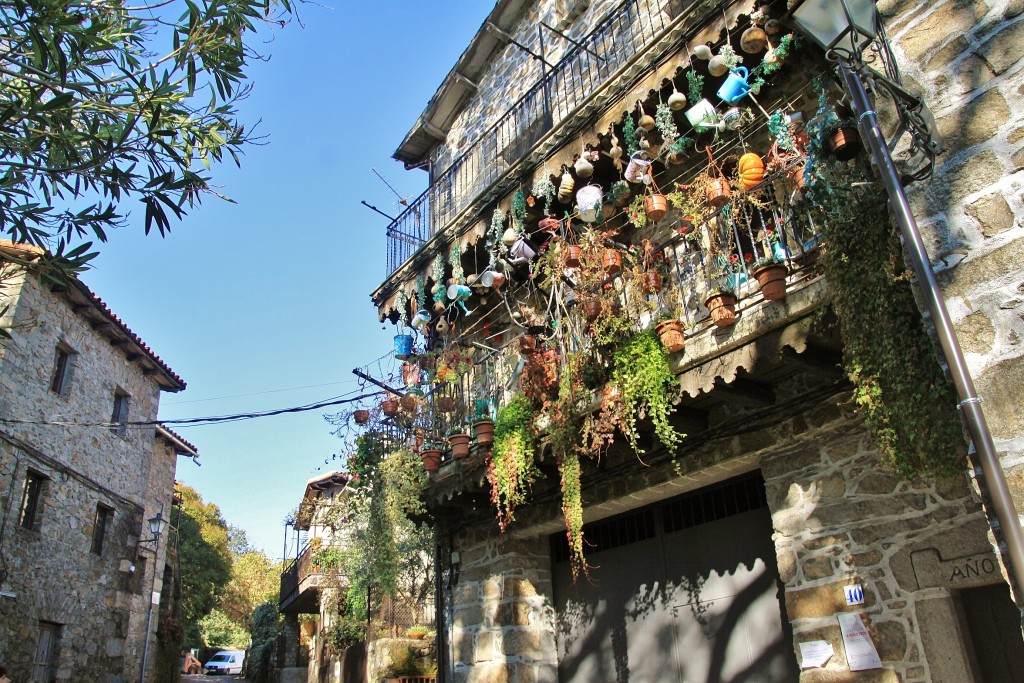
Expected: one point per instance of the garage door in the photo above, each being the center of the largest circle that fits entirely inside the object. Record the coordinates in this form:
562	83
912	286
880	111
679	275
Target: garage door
685	590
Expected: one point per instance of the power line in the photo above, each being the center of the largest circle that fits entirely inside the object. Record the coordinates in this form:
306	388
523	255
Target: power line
260	393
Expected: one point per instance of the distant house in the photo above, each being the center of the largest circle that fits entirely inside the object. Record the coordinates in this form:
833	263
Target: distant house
83	468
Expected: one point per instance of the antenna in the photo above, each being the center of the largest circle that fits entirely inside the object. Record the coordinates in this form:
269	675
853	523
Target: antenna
401	200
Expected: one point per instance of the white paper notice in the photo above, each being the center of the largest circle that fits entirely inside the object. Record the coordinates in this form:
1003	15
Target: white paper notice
860	649
815	653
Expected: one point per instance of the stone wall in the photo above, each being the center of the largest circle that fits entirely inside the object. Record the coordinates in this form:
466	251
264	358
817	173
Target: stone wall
967	57
100	601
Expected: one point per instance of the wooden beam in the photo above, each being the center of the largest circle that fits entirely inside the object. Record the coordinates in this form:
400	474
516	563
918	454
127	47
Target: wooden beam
80	308
99	324
131	357
691	420
117	341
745	391
817	359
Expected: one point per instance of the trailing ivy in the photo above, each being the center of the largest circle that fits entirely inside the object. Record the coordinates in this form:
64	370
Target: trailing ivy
899	386
629	135
695	84
642	374
510	468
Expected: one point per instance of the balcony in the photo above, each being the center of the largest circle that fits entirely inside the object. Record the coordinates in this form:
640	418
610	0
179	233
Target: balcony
549	112
300	585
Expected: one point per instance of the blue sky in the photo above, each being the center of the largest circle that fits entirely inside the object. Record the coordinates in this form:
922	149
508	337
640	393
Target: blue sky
248	302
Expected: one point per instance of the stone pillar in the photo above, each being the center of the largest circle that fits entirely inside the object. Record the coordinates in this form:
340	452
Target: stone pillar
503	623
291	641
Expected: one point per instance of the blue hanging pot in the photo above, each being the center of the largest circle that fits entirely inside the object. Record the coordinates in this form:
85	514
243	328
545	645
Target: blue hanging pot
403	346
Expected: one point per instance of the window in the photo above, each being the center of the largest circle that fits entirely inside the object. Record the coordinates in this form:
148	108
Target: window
120	414
32	501
104	514
46	652
63	364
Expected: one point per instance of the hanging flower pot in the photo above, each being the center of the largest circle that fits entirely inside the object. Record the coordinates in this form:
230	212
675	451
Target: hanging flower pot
591	309
651	282
670	333
403	346
844	143
361	416
611	261
772	278
408	403
527	344
723	308
484	431
572	256
446	404
389	407
589	199
459	444
431	459
410	374
655	206
718	192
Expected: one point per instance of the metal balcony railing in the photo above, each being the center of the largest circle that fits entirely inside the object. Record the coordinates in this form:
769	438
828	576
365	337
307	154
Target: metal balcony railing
629	29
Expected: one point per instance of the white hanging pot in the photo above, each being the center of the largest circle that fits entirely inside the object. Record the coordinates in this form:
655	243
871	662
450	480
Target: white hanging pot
521	250
637	168
702	115
509	237
584	169
702	52
589	199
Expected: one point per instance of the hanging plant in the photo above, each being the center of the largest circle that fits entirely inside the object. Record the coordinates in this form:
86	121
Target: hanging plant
518	210
643	376
402	304
636	213
695	82
455	260
730	59
437	274
666	124
494	244
778	128
629	135
510	468
544	187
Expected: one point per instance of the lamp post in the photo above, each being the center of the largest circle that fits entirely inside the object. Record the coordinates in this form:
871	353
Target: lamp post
844	28
157	524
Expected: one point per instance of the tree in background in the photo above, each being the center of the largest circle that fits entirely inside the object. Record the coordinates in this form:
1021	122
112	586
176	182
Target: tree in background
105	101
205	561
220	631
255	579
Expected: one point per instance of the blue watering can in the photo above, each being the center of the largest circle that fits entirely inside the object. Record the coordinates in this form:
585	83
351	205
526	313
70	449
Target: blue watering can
735	87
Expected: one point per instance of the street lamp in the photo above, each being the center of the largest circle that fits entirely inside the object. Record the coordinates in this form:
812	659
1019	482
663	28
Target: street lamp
845	29
157	524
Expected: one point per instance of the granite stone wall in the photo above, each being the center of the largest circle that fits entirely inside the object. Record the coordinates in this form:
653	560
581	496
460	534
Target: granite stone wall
99	601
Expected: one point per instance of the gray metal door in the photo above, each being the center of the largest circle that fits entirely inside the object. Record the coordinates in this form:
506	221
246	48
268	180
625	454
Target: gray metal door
686	590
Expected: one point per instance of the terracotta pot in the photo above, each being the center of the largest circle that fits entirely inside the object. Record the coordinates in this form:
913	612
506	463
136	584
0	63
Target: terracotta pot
484	431
459	444
718	192
670	333
844	143
772	279
572	256
446	404
612	261
389	407
431	459
655	206
527	344
722	307
408	403
650	282
361	416
591	309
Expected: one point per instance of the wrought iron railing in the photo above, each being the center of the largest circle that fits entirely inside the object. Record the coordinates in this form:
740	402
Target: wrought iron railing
630	28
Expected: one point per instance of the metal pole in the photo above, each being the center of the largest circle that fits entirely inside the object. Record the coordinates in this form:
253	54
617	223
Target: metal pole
1007	523
149	617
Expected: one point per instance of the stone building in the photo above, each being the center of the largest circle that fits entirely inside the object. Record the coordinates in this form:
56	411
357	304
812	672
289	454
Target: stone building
719	565
80	481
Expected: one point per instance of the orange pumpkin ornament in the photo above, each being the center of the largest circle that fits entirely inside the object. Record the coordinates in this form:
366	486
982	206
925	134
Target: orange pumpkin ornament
751	170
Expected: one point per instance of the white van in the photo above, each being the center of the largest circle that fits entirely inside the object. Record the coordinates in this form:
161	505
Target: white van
225	662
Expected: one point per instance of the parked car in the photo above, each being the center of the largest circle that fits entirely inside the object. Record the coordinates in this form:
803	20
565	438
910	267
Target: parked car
225	662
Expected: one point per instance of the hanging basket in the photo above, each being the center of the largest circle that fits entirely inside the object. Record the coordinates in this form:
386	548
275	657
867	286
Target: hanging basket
670	333
718	192
446	404
723	308
687	224
611	261
844	143
431	459
361	417
389	407
572	256
655	206
772	279
459	444
527	344
651	282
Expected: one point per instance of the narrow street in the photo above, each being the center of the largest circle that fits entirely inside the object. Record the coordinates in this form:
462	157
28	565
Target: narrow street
196	678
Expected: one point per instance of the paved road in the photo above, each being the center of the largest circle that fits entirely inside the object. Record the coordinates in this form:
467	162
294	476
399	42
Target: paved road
208	679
